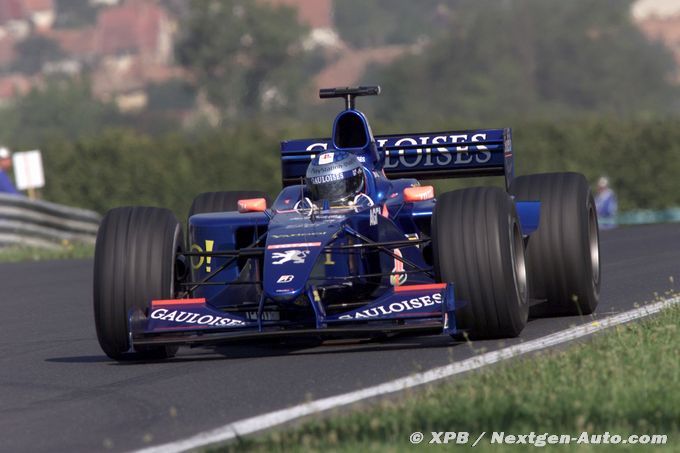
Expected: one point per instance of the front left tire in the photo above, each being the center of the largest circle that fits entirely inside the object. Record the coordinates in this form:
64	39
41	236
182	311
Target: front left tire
478	246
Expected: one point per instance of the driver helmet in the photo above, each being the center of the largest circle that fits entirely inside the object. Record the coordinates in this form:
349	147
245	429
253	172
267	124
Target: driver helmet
335	176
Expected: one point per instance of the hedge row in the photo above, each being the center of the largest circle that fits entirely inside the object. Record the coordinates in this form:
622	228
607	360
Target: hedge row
121	167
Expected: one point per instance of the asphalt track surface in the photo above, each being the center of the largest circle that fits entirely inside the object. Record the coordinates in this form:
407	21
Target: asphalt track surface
58	392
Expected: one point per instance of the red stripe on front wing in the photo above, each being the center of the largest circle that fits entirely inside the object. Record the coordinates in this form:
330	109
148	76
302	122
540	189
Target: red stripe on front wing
432	286
155	303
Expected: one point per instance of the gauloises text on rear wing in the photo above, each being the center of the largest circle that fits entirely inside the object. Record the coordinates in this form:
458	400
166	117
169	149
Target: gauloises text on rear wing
430	155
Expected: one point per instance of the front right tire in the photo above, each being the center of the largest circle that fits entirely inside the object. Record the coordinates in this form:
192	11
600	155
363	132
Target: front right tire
134	263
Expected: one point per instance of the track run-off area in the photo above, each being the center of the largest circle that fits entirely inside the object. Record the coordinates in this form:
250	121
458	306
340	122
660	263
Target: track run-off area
59	392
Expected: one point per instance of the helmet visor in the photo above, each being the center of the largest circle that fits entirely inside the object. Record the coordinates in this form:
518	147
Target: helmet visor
329	188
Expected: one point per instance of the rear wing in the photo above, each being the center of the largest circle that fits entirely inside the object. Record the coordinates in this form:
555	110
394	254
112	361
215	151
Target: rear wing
432	155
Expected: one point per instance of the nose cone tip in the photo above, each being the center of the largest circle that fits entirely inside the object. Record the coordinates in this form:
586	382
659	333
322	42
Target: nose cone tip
286	295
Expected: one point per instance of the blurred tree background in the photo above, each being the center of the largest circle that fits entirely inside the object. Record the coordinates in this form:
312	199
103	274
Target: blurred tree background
582	87
385	22
533	59
245	55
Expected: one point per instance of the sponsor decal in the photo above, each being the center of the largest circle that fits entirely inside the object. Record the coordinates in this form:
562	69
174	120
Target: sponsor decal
321	218
430	155
289	246
326	158
398	279
318	171
440	156
285	279
327	178
187	317
197	261
329	217
290	256
403	306
295	226
208	248
297	235
373	215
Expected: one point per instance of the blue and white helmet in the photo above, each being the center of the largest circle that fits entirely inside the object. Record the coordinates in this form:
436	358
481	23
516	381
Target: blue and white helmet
335	176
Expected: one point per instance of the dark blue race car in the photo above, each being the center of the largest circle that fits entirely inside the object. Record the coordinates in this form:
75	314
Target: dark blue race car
353	246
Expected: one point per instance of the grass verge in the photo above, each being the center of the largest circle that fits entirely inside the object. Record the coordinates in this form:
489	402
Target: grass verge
67	250
625	381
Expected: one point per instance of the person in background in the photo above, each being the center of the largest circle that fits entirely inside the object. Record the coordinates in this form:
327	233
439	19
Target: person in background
6	185
606	204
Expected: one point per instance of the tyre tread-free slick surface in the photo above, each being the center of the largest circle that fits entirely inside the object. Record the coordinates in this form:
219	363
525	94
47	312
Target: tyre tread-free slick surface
478	247
563	254
134	264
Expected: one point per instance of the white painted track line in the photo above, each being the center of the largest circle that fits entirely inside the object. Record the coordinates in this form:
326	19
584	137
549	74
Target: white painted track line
269	420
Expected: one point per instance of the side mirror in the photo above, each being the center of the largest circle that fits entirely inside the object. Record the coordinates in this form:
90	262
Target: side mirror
252	205
418	193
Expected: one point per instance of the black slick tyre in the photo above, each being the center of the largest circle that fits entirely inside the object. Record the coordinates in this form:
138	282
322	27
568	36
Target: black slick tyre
478	246
134	264
563	255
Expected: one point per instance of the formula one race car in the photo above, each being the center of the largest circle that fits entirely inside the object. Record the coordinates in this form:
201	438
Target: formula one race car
353	246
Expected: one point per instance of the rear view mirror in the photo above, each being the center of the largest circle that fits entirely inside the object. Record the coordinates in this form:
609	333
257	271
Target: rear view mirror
252	205
418	193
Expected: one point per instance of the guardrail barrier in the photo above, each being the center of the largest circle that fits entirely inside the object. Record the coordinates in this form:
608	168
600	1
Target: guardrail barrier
38	223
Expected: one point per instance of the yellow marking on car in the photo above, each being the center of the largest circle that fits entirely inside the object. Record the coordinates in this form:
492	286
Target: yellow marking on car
197	248
208	248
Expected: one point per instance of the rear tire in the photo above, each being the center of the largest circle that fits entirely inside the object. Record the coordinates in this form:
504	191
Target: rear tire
222	201
563	255
134	263
478	246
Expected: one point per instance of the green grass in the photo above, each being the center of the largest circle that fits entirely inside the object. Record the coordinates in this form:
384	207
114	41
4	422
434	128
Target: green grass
67	250
624	381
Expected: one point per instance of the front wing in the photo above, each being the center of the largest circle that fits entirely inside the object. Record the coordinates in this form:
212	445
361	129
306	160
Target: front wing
408	308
